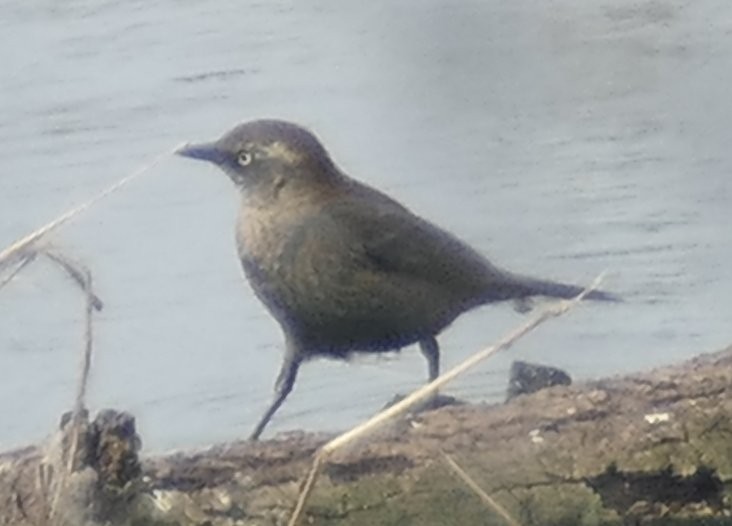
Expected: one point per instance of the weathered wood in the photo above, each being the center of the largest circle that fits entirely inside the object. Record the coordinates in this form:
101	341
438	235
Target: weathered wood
651	448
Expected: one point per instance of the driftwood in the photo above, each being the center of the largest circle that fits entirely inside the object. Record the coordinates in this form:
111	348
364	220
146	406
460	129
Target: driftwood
651	448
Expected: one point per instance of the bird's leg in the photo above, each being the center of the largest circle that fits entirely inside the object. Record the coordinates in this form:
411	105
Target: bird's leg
283	386
431	351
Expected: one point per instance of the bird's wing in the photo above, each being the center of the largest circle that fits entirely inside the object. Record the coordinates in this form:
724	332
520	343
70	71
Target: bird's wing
389	238
371	233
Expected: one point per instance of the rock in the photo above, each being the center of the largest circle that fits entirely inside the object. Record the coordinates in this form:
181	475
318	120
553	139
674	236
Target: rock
526	378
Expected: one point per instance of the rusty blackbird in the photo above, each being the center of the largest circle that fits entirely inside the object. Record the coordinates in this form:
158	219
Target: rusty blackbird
342	266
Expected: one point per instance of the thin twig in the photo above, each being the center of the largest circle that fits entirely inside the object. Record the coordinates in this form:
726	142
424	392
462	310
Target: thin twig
23	243
73	269
83	277
79	404
78	272
487	499
551	311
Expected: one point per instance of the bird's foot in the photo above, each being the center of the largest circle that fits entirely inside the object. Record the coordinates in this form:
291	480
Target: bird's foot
430	404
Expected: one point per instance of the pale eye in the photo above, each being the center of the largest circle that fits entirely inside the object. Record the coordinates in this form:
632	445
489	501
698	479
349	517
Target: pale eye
244	158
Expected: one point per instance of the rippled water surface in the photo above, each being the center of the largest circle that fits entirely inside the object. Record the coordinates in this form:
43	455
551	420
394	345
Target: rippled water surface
559	138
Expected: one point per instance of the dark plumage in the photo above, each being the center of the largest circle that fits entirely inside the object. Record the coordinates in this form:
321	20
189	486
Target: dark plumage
342	266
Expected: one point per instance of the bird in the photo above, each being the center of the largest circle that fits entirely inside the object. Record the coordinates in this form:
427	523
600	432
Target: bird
341	266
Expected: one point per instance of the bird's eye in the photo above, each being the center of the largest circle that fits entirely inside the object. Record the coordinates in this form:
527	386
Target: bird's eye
244	158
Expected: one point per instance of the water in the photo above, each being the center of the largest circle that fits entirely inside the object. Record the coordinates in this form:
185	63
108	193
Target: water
561	139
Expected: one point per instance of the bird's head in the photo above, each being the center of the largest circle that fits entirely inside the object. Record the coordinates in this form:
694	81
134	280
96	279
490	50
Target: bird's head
264	156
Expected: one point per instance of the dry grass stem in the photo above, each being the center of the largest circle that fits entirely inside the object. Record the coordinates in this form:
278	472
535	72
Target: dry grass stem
28	241
44	481
551	311
492	504
24	260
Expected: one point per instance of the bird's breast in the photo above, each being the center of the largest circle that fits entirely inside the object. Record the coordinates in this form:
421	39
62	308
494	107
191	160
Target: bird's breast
260	238
268	247
265	228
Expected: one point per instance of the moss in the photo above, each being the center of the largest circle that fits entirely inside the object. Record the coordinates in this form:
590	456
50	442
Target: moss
571	504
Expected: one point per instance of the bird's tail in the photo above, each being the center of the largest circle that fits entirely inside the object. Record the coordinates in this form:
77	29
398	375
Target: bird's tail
552	289
508	286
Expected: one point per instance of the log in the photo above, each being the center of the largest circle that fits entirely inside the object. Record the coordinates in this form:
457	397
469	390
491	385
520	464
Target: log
647	448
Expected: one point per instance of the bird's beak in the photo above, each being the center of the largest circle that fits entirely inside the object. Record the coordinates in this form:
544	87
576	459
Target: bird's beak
204	151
